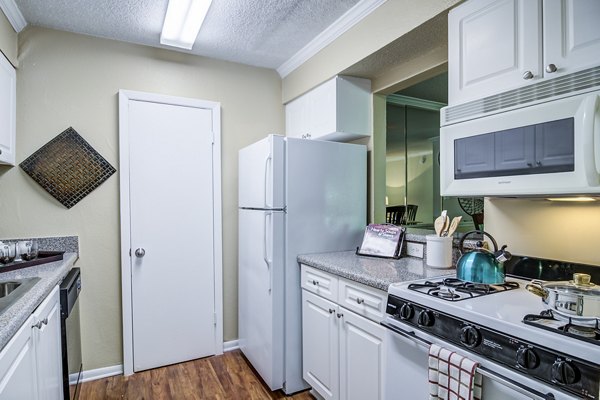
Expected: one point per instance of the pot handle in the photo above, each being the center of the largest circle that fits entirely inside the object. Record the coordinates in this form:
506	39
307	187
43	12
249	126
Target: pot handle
537	288
462	240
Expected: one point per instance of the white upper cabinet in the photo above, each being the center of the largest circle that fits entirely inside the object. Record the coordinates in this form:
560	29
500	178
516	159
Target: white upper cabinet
338	110
571	35
8	111
498	45
492	45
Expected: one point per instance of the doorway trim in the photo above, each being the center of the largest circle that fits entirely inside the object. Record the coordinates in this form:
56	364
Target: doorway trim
126	294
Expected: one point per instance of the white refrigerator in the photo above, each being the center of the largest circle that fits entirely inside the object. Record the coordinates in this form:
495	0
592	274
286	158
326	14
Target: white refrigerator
296	196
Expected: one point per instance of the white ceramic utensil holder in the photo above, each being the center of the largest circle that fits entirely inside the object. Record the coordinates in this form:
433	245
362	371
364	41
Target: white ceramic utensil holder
439	251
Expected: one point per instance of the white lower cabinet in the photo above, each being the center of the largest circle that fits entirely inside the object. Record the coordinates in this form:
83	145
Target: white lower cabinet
342	352
30	363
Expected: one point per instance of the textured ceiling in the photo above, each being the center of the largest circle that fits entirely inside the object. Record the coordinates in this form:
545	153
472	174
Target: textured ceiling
263	33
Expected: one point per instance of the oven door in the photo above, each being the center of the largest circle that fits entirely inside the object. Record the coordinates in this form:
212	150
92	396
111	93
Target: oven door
406	375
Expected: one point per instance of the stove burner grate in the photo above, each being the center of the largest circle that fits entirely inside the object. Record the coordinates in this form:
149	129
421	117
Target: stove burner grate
447	288
546	320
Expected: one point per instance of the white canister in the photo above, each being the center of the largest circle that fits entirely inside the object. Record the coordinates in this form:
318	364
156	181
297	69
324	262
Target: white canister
439	251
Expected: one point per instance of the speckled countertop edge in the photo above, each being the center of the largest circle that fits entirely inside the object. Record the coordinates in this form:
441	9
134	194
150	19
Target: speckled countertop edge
375	272
51	274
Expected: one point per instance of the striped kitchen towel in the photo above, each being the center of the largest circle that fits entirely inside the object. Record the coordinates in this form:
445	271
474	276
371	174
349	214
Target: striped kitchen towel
452	376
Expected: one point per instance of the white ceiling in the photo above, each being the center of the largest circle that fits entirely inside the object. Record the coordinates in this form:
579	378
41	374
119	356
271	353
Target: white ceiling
264	33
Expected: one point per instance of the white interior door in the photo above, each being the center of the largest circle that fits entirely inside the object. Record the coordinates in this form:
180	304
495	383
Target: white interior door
171	221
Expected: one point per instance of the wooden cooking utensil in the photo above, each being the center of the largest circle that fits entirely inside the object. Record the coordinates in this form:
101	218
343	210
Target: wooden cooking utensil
453	225
438	225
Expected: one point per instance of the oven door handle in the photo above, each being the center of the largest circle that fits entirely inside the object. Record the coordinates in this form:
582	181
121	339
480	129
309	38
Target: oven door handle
534	394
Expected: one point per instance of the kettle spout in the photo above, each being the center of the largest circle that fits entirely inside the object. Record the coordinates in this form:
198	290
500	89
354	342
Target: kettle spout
503	255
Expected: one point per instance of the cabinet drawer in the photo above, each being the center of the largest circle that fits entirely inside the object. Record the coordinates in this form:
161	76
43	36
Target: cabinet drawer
363	300
319	282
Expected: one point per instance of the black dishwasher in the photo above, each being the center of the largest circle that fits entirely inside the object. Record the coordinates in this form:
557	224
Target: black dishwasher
70	333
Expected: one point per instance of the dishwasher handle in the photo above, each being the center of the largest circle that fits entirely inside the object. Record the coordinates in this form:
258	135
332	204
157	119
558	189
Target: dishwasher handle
69	291
534	394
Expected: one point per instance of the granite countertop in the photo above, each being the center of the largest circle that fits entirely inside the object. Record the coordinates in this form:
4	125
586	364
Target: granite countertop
51	274
375	272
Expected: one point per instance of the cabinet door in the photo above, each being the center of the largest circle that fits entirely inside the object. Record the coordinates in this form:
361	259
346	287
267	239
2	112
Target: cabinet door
362	348
8	113
571	35
320	345
473	156
296	117
17	366
515	148
48	348
322	109
491	45
555	145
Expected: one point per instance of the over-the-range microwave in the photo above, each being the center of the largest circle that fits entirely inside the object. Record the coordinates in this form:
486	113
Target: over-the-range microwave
549	148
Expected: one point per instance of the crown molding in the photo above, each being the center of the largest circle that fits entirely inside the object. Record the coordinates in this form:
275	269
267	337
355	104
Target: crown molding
13	14
401	100
335	30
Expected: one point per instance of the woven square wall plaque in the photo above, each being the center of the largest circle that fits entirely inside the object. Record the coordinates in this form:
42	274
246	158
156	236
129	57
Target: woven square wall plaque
68	168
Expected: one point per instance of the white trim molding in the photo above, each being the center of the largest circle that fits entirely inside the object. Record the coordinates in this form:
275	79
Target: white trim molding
13	14
124	97
352	17
231	345
93	374
402	100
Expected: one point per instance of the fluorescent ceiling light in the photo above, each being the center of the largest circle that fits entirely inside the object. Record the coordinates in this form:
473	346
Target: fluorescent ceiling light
183	21
577	199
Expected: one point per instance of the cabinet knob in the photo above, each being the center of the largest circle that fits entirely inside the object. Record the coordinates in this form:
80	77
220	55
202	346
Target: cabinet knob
538	163
529	164
550	68
316	283
331	311
139	253
340	315
527	75
0	151
359	300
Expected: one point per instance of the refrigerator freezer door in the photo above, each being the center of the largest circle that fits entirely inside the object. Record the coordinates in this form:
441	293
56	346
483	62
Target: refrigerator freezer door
261	174
326	192
260	292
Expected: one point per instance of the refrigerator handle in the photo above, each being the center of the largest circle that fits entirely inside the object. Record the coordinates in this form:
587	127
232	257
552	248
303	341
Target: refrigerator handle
268	261
267	162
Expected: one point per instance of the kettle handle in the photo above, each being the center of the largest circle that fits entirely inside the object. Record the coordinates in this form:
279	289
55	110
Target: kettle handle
462	240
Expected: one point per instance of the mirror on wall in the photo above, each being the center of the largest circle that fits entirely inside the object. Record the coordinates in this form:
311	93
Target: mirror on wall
412	172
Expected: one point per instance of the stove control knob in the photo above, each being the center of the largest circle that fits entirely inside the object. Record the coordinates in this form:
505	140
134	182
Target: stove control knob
565	372
470	336
426	318
406	311
527	358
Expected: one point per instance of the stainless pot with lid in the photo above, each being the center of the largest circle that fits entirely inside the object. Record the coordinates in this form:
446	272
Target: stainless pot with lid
578	299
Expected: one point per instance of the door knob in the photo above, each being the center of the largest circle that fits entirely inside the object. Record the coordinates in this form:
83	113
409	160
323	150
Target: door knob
139	253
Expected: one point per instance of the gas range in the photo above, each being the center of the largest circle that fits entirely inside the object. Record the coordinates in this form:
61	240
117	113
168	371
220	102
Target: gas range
489	322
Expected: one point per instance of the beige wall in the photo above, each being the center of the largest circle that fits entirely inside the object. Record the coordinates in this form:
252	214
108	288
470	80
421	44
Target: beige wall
8	39
67	80
537	227
387	23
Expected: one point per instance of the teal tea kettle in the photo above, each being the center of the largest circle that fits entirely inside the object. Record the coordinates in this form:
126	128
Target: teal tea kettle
481	265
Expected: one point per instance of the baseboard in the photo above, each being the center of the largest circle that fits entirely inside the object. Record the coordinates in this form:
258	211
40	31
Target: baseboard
93	374
231	345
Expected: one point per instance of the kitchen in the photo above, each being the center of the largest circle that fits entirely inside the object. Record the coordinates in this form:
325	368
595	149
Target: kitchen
65	79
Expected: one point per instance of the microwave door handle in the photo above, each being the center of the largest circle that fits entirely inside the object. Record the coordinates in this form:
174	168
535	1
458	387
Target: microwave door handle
594	112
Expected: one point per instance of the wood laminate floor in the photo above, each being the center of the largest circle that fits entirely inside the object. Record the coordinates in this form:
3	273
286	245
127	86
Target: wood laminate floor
228	376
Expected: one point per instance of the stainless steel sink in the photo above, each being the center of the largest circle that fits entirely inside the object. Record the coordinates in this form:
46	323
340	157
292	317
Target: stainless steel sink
13	289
